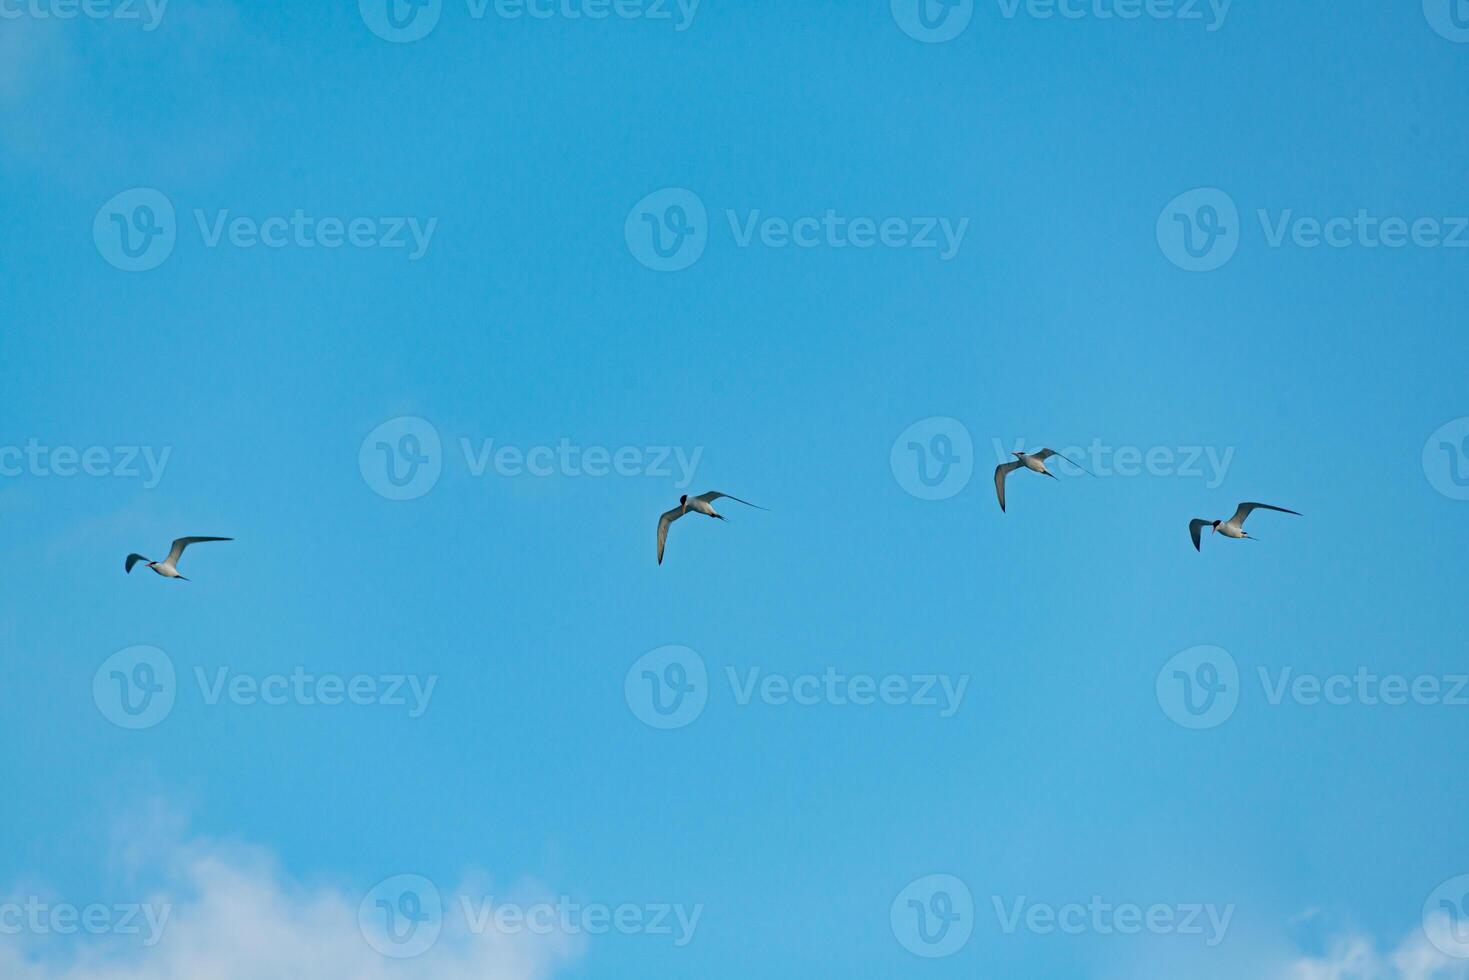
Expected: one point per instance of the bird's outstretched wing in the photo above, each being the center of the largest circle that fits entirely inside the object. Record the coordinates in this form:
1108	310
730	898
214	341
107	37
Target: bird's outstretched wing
714	495
1046	454
669	516
1246	508
180	544
1194	527
133	560
1000	472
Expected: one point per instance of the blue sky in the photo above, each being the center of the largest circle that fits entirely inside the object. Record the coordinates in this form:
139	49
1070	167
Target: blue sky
240	388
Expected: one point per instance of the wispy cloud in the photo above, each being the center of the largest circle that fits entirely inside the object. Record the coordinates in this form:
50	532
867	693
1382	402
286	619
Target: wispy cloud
1358	957
230	913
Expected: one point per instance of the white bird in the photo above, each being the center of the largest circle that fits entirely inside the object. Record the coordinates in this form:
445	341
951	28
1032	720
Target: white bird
1235	526
168	568
1035	462
699	505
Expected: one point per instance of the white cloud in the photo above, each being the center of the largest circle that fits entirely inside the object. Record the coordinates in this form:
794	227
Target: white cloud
1357	958
231	914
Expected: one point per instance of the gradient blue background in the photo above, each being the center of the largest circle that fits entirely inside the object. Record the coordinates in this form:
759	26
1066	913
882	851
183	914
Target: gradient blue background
528	321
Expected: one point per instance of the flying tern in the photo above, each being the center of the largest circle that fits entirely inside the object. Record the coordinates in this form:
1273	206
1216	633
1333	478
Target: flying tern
1235	526
1035	462
699	505
168	568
